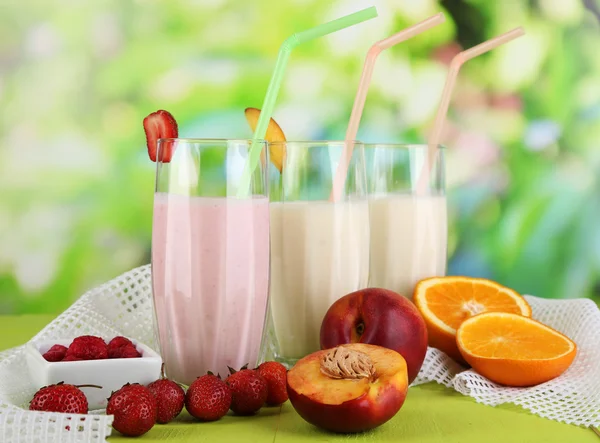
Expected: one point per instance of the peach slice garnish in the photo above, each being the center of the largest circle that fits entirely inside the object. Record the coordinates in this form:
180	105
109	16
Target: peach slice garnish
274	134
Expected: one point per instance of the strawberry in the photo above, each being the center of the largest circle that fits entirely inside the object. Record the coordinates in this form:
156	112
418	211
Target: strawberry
170	397
276	376
122	347
87	347
55	353
160	124
249	391
208	398
134	408
60	397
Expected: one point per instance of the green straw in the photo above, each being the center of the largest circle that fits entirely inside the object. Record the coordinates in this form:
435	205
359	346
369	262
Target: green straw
282	58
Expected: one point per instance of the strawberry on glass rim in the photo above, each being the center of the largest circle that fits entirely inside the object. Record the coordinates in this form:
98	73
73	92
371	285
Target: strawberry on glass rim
160	124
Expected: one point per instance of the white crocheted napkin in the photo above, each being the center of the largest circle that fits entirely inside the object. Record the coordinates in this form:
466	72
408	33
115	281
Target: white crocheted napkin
572	398
123	306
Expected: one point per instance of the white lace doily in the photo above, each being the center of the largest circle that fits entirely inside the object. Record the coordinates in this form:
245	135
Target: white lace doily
572	398
123	306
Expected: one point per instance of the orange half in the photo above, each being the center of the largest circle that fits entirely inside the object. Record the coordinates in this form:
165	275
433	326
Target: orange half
445	302
514	350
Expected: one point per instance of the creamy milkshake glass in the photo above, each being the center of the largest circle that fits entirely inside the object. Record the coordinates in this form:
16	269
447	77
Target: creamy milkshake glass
210	258
319	249
408	221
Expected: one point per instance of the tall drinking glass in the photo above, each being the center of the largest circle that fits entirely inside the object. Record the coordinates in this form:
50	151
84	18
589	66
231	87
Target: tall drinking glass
319	249
408	223
210	257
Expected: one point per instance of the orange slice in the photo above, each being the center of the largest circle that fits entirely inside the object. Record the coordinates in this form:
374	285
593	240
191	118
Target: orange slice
274	134
514	350
445	302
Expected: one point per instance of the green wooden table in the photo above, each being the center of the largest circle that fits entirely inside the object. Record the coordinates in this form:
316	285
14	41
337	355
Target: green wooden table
431	414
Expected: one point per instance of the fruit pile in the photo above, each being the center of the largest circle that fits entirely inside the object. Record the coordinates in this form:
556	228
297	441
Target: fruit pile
374	341
90	347
477	322
137	408
378	339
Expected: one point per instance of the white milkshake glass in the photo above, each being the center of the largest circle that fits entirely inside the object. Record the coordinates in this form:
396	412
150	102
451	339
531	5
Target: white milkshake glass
210	257
319	248
409	227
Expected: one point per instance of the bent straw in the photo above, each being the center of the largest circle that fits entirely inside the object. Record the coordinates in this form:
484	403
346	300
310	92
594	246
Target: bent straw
361	94
276	78
457	61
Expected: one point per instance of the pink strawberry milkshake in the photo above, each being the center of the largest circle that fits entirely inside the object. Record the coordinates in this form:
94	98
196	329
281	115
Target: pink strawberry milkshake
210	272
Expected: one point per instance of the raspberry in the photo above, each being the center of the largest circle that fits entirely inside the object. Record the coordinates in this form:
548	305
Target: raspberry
118	342
125	352
55	353
88	347
122	347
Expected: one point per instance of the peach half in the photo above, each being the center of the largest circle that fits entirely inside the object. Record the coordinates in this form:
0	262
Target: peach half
378	317
350	388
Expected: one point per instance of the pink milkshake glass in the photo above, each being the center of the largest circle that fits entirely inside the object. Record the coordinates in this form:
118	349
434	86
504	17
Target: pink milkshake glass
210	257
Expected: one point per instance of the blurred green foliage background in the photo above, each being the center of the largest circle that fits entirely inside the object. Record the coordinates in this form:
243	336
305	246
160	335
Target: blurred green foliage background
77	78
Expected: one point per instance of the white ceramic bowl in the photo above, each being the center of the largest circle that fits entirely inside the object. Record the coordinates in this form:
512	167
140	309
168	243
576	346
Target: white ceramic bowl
111	373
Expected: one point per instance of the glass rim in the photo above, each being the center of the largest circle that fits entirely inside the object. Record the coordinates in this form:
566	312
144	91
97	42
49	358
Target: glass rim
316	142
211	140
403	145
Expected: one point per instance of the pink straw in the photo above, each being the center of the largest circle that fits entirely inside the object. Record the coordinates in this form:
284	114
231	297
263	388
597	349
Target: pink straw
361	95
457	61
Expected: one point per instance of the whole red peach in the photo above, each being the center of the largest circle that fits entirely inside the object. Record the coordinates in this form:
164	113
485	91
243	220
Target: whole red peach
378	317
350	388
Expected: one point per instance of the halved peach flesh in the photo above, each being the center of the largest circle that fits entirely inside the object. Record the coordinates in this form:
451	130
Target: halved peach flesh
353	404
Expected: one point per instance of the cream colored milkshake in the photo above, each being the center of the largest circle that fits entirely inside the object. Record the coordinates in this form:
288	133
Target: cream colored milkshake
408	240
210	259
319	253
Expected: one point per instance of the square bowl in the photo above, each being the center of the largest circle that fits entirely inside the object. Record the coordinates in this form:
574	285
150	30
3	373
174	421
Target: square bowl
111	373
